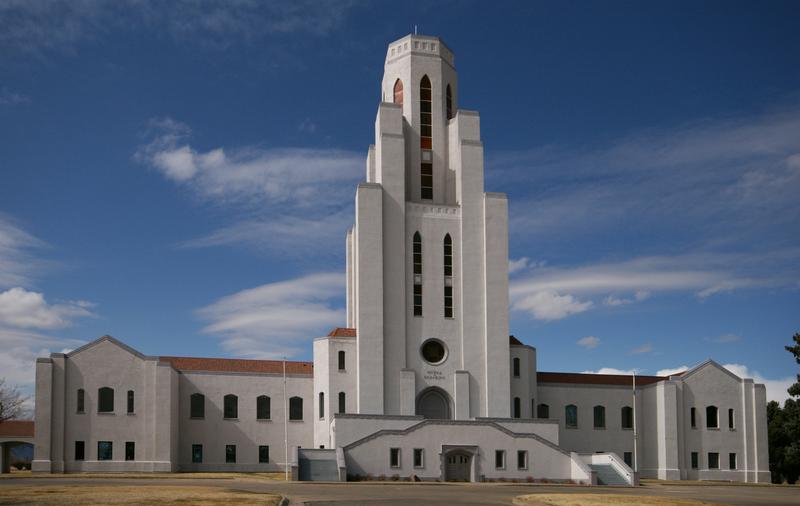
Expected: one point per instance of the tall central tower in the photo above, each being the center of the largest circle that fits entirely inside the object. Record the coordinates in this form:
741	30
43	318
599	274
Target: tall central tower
427	259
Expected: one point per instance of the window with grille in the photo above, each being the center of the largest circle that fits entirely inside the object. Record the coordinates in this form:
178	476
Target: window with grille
449	103
448	276
425	122
417	253
263	407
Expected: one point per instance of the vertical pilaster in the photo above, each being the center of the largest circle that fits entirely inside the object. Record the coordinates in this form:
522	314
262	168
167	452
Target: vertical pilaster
43	417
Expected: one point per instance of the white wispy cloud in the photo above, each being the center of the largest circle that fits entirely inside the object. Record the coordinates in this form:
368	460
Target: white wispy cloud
703	274
24	309
672	370
549	305
287	198
18	259
589	342
277	319
34	28
518	264
705	192
727	338
8	97
612	370
645	348
776	388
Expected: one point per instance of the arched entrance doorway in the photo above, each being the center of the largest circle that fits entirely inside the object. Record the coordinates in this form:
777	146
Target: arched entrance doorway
434	403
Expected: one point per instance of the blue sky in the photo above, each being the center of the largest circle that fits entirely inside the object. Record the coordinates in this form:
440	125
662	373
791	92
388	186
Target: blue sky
181	174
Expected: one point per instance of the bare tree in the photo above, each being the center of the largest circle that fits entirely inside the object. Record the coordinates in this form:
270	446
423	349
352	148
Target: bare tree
11	401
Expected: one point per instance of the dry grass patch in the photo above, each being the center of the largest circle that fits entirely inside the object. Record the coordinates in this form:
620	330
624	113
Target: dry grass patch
151	476
603	500
67	495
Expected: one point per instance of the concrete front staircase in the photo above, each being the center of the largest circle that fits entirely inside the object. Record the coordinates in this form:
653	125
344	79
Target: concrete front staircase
318	464
609	469
607	475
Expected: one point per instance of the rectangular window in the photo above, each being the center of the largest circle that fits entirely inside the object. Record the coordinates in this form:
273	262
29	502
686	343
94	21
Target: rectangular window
81	395
197	454
713	460
296	408
130	402
628	458
426	181
599	417
500	459
341	361
105	450
263	407
516	367
342	402
230	454
79	450
130	450
417	300
731	424
419	457
263	454
693	417
522	459
695	460
197	405
732	460
231	406
321	405
394	457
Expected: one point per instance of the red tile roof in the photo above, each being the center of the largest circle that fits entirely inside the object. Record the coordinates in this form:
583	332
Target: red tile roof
595	379
342	332
16	428
514	340
237	365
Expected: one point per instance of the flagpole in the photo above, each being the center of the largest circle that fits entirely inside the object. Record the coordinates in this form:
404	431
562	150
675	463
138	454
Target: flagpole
635	435
285	425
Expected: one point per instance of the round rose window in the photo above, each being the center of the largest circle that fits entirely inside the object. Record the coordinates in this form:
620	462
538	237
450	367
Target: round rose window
433	351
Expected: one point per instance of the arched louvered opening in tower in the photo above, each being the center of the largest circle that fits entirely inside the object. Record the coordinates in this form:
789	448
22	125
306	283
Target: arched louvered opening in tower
425	129
398	92
449	102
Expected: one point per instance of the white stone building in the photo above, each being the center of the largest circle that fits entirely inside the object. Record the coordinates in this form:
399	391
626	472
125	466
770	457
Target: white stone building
424	379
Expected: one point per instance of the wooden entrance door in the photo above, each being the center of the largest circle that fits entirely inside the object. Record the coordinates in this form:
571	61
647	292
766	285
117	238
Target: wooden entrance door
457	467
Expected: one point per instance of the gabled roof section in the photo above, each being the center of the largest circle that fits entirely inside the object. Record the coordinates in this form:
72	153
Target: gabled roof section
514	341
596	379
237	365
112	340
342	332
16	428
708	363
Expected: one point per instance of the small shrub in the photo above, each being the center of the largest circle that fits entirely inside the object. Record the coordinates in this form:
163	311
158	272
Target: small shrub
382	477
395	477
544	480
501	479
529	479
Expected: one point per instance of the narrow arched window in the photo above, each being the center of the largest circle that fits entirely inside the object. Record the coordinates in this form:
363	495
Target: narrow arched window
516	367
342	402
449	102
197	406
543	411
105	400
417	249
627	417
341	360
448	276
231	406
131	403
263	408
81	400
296	408
321	405
517	408
425	123
398	92
712	417
571	416
599	417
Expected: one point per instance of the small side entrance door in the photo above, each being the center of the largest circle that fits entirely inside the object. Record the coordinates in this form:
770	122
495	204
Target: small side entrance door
457	467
